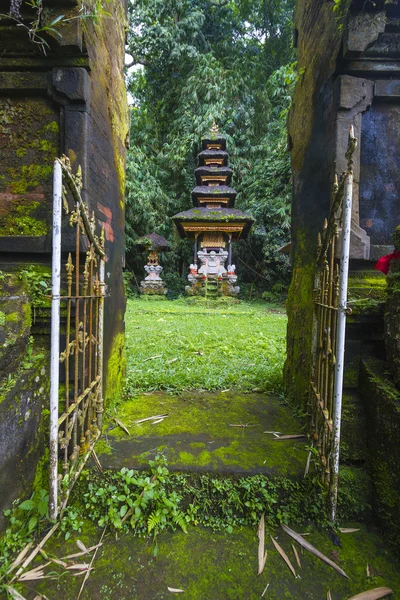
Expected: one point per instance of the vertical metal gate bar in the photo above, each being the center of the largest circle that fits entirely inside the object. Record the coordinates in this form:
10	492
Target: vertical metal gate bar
99	403
74	454
69	268
55	339
341	334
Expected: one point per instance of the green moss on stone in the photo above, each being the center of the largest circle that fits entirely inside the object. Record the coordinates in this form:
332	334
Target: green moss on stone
115	369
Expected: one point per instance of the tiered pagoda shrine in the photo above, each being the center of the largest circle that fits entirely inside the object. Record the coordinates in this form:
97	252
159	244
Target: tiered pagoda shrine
213	223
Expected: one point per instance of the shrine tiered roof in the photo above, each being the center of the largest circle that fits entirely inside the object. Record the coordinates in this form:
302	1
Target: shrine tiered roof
213	198
226	219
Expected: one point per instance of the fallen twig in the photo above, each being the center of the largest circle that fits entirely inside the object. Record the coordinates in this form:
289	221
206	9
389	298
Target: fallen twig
266	587
152	357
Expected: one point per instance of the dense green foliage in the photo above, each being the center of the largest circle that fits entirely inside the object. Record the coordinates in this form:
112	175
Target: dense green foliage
177	346
203	60
153	500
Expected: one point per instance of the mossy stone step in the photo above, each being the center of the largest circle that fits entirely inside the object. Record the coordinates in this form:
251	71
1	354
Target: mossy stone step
219	565
206	432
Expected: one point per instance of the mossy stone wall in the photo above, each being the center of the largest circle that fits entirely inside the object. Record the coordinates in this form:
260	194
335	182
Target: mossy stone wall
311	139
382	402
70	101
392	313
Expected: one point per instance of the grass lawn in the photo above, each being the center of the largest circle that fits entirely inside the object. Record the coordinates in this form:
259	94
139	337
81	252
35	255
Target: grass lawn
177	346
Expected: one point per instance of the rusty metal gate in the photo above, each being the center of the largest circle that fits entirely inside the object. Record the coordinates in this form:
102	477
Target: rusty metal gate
77	310
330	309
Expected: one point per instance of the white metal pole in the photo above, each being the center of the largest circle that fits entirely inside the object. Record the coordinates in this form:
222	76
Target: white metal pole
55	338
341	332
100	344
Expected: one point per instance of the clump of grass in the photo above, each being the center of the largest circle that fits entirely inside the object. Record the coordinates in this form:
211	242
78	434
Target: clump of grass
175	347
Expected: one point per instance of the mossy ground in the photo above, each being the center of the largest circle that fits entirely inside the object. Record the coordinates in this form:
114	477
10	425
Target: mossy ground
222	566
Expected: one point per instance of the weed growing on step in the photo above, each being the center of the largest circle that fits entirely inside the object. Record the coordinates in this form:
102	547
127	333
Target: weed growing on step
149	502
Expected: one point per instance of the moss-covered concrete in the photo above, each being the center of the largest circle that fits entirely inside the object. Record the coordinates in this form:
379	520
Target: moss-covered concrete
23	422
392	313
208	433
15	326
382	401
223	566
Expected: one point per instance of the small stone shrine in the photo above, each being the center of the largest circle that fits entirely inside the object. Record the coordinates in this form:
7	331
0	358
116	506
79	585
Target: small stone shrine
153	244
213	223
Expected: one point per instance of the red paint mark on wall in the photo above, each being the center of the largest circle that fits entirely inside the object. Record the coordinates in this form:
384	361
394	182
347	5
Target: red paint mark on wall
107	223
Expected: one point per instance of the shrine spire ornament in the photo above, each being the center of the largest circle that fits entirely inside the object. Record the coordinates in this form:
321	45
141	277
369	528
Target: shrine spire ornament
213	224
214	131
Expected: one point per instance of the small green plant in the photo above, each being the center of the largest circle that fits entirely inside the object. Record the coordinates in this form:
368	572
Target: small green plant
39	26
38	283
71	521
36	509
149	502
24	522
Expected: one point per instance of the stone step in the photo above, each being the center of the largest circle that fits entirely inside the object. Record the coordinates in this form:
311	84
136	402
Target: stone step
206	432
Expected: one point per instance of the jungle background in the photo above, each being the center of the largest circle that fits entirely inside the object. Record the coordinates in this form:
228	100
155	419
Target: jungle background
193	61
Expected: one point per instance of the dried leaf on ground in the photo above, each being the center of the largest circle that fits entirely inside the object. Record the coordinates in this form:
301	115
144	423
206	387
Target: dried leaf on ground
347	530
81	553
328	595
262	555
153	357
374	594
13	593
35	551
150	418
175	590
312	549
78	567
284	556
120	423
20	557
81	546
296	554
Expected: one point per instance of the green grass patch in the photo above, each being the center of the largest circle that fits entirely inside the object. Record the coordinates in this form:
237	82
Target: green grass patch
176	346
